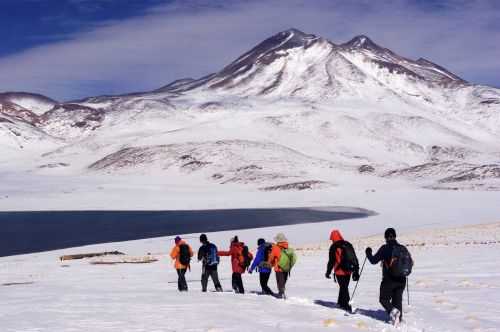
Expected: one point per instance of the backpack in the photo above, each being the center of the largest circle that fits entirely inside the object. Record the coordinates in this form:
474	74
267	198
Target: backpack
245	258
264	263
288	258
348	260
401	263
212	255
184	254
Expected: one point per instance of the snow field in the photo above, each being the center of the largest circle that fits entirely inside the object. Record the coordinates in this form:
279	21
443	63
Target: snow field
454	287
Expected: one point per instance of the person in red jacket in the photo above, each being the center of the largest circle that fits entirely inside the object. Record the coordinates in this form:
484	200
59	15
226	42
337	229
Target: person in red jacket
182	254
342	276
240	260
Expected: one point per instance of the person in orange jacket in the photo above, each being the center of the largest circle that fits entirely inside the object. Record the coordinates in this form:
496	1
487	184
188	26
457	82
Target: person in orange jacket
274	258
240	261
182	254
342	274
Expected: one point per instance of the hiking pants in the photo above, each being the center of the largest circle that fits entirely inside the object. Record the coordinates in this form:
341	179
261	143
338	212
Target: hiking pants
281	278
343	300
264	279
181	281
237	283
212	273
391	294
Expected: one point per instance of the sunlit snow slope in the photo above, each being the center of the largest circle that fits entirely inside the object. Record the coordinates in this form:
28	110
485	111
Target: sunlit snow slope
296	111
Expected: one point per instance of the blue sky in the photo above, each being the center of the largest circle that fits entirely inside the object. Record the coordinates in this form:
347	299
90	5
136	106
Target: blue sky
28	23
74	48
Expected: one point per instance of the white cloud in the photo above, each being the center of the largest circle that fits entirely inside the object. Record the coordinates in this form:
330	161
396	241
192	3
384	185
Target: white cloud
194	38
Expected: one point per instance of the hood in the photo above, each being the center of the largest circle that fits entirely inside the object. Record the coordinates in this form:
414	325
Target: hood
283	244
336	236
237	244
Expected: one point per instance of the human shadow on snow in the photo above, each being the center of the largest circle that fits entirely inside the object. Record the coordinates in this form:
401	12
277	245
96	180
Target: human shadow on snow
378	314
328	304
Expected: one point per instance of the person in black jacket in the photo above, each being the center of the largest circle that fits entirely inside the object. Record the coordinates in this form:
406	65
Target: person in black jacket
209	268
391	288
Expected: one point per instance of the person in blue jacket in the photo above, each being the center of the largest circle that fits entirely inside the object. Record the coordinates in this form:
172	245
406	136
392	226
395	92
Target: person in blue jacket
262	265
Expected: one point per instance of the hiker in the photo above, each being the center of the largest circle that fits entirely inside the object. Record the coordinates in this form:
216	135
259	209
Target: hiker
207	254
241	258
182	254
261	264
282	258
396	266
344	263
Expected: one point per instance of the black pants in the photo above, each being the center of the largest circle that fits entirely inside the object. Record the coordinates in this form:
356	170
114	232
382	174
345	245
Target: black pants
344	298
391	294
212	273
281	278
264	279
181	281
237	283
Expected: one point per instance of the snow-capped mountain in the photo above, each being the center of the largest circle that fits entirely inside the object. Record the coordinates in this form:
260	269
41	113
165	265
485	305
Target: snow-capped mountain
296	108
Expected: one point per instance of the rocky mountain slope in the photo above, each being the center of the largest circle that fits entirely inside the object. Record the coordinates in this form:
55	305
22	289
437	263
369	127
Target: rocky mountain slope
295	109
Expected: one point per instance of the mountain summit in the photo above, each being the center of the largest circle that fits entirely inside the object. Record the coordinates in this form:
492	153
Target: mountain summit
294	111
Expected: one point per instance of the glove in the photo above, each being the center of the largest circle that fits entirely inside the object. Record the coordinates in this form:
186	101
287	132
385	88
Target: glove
355	276
327	276
368	251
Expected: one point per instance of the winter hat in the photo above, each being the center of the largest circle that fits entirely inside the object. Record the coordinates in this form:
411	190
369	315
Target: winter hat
177	239
280	237
203	238
390	232
260	242
336	236
235	239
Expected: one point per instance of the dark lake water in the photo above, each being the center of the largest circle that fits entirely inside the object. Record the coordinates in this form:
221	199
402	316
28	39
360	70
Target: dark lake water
35	231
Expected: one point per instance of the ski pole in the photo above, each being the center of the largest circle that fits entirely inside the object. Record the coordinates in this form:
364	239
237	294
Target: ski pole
408	290
360	273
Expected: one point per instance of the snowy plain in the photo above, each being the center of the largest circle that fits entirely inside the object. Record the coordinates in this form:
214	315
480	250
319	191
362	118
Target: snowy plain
454	287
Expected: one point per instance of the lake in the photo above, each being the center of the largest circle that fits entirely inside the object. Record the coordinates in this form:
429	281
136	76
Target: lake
35	231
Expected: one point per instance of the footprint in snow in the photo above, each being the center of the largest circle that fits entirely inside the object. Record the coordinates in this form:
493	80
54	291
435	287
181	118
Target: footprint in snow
329	322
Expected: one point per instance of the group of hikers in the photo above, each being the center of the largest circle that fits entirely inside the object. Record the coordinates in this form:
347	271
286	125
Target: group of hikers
269	256
395	259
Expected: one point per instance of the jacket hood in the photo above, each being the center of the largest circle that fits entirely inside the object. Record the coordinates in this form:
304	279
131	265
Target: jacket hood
336	236
283	244
237	244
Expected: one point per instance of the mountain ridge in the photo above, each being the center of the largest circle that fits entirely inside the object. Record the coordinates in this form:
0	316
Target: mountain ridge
317	106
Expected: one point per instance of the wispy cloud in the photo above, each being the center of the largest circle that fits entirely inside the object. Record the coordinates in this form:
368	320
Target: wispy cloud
196	37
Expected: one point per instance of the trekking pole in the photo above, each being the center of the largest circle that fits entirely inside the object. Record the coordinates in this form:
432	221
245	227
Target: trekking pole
360	273
408	290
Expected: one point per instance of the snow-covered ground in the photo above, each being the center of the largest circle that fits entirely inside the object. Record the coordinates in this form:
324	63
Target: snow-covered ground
454	287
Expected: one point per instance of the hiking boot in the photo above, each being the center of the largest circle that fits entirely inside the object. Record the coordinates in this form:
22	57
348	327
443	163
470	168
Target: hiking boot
394	315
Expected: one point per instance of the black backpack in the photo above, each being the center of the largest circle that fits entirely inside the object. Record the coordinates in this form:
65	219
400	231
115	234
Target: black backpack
401	263
184	254
264	263
348	260
268	247
247	259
